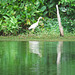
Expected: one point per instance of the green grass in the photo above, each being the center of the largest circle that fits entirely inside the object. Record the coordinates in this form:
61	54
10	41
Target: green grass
39	37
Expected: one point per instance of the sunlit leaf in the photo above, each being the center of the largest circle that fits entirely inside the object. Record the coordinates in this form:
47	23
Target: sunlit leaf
0	22
28	21
5	17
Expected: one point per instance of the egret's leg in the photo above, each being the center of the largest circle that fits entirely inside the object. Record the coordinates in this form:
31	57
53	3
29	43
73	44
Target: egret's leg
32	30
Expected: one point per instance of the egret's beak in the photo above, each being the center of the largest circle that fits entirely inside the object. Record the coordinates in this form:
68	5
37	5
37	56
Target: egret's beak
42	18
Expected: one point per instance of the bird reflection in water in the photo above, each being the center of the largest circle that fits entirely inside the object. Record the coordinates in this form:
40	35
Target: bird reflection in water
34	47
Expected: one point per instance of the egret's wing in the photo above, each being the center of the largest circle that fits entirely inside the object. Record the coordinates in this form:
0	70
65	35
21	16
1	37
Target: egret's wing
33	26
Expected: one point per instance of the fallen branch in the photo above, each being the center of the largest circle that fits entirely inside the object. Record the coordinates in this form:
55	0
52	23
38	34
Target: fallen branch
59	21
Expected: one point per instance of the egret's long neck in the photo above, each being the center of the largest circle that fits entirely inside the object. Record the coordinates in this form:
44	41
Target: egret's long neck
38	20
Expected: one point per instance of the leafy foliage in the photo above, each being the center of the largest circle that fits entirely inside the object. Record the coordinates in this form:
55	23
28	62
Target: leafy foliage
67	11
17	15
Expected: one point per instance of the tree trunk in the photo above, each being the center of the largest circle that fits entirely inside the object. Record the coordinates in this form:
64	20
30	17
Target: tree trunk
59	21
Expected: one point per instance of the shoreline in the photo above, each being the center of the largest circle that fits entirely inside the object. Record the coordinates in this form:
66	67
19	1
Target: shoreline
36	38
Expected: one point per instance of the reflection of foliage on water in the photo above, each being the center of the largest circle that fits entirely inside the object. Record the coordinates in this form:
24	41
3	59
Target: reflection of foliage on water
15	58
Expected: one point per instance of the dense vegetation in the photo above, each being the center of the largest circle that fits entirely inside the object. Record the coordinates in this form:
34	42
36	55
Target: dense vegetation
17	15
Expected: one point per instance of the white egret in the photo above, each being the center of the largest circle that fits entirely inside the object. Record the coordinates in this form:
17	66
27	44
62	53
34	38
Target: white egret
33	26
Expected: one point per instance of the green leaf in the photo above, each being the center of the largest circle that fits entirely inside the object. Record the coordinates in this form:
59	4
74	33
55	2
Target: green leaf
42	2
13	20
51	5
33	1
43	8
18	16
45	13
5	17
0	22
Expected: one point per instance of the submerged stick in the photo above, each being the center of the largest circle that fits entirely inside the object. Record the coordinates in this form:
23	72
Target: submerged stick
59	21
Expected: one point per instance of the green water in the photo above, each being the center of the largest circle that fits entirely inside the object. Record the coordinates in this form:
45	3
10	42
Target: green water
37	58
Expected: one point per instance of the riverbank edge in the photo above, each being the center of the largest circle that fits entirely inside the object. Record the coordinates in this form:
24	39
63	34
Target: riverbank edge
36	38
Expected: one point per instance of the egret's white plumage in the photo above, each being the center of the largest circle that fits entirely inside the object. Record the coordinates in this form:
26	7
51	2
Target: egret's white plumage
33	26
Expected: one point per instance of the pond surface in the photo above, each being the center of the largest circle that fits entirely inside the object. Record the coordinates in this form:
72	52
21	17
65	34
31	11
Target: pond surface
37	58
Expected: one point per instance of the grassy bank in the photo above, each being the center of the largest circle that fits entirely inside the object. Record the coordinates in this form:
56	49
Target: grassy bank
38	37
